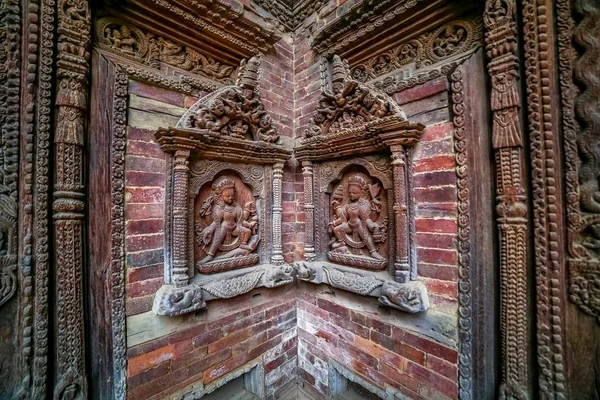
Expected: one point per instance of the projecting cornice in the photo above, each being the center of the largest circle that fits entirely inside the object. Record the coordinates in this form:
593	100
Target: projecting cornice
227	31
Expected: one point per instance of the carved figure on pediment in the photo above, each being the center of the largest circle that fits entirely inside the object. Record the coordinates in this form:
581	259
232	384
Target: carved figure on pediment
227	233
121	38
235	111
350	104
173	53
356	208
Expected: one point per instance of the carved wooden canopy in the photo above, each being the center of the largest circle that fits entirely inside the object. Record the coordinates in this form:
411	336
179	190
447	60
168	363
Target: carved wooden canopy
354	118
229	124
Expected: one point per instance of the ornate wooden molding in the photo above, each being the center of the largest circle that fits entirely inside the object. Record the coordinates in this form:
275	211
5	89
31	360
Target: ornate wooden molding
291	14
511	208
455	39
328	37
10	90
74	26
129	41
465	362
582	172
546	196
34	232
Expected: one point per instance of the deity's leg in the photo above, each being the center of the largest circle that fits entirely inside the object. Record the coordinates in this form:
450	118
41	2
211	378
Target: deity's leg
365	236
244	234
218	237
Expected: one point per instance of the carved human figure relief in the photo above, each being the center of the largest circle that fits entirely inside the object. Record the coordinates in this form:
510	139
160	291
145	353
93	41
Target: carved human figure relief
226	228
358	227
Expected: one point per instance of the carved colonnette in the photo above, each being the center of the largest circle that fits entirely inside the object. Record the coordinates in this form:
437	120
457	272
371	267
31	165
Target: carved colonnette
223	153
74	27
511	199
355	196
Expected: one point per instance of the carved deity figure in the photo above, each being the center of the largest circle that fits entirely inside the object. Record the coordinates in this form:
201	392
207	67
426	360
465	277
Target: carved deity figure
352	225
232	232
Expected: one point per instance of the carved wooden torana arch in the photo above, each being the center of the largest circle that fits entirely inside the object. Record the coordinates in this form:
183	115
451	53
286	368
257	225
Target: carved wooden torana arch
351	122
228	130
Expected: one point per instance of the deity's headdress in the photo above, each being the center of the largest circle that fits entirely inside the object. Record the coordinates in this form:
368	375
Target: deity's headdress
222	183
358	181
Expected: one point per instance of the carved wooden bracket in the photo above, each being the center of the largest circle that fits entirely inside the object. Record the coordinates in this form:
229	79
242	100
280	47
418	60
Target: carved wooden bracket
223	194
356	190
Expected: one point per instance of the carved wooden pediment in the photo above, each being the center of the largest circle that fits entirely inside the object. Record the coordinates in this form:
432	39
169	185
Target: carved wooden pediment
353	118
229	124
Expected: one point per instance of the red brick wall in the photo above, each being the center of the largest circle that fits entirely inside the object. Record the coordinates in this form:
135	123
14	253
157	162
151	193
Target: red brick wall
145	178
371	343
209	345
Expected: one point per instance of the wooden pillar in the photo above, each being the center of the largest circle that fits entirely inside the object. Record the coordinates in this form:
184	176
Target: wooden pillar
511	199
68	207
179	270
401	262
277	257
309	208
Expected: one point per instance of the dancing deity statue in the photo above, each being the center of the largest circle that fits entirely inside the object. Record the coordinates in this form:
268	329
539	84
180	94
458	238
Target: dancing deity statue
233	230
352	226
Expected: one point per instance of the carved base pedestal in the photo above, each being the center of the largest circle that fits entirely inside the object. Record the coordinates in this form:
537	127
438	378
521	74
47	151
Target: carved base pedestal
357	261
227	264
171	300
409	297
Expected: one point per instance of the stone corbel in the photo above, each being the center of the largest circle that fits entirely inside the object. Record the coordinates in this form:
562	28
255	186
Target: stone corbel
410	296
172	300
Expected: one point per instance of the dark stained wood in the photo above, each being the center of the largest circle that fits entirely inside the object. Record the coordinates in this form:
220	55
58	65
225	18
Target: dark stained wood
484	266
99	307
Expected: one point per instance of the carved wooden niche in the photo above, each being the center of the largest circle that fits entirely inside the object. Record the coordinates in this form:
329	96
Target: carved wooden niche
223	204
356	159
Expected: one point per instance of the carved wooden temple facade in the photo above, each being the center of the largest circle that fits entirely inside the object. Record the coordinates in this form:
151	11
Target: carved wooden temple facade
309	199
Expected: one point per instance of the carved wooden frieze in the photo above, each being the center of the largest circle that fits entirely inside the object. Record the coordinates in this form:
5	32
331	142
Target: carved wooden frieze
223	199
127	40
453	40
355	162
